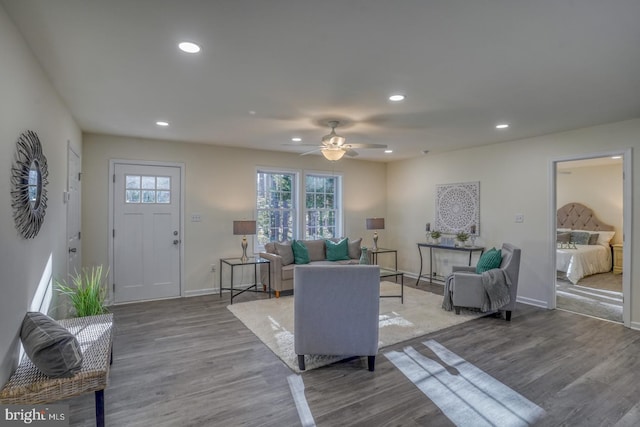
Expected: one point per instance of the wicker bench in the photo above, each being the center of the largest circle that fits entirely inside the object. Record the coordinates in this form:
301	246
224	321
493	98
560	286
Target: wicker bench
29	386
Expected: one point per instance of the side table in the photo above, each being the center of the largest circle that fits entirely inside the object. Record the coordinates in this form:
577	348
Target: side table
617	258
235	262
374	255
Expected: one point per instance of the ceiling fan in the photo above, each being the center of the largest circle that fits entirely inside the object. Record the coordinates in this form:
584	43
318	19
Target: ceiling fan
334	146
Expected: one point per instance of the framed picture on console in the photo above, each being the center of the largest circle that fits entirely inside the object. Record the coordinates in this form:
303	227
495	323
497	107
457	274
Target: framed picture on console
458	208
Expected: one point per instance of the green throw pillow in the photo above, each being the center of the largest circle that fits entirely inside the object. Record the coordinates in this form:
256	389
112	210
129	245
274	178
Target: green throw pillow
489	260
300	252
337	251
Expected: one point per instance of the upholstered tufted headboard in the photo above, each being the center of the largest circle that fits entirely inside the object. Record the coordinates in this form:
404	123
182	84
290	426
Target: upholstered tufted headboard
577	216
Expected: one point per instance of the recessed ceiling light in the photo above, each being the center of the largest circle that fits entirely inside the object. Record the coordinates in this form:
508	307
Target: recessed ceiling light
396	98
189	47
296	139
388	151
253	113
161	123
502	126
616	157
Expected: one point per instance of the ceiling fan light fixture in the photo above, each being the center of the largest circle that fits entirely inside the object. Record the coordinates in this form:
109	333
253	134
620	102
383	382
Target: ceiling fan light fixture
332	154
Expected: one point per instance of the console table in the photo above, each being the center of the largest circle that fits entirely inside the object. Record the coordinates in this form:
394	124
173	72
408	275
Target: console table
432	246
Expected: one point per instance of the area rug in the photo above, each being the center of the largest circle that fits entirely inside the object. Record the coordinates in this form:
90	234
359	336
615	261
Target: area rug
271	320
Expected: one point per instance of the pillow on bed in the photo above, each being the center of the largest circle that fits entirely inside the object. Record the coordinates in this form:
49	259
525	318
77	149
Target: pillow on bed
604	237
564	237
580	237
593	238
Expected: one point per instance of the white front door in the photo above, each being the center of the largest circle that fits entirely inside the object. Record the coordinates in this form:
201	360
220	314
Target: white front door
146	232
73	212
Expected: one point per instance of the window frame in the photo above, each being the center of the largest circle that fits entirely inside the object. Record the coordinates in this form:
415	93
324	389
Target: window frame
295	194
339	209
299	193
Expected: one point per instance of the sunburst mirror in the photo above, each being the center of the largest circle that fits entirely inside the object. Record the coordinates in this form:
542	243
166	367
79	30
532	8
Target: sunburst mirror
29	179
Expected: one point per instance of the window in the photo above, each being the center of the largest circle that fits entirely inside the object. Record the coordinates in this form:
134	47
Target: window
322	206
278	212
276	206
147	189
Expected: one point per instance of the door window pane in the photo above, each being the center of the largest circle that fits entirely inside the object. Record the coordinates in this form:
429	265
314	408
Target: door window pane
147	189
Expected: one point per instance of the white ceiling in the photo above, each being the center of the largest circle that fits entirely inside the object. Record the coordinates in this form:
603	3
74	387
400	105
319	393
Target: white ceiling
543	66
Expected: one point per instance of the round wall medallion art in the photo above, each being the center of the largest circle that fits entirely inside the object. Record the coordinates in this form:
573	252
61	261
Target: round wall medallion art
458	207
29	179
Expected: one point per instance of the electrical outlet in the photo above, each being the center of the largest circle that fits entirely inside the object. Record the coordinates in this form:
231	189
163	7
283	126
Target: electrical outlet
519	217
213	268
196	217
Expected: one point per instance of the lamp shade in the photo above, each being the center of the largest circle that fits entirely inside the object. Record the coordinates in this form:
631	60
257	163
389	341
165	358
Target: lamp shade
244	227
375	223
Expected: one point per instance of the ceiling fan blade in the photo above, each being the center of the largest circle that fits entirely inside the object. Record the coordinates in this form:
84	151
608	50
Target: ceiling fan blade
311	152
300	145
366	146
349	152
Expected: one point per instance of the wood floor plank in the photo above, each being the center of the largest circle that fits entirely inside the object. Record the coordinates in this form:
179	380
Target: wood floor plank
190	362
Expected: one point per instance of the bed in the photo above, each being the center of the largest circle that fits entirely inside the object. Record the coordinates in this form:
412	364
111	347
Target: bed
592	253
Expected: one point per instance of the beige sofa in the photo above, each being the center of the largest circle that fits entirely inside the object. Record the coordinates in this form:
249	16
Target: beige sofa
282	261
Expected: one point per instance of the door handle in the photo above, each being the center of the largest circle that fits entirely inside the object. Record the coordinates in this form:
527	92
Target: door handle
74	250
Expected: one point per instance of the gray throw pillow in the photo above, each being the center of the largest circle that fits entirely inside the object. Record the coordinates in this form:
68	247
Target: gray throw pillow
580	237
593	238
286	253
564	237
52	348
354	248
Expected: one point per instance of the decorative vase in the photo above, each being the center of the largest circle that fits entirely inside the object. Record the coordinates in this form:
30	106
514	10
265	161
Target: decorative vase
364	257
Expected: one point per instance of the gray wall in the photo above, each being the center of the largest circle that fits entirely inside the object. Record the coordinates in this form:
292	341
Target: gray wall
29	102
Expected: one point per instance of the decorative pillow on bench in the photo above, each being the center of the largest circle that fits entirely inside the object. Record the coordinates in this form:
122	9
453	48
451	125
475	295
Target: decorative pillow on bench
52	348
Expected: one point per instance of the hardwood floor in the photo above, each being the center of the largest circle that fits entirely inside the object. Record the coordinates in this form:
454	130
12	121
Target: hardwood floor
190	362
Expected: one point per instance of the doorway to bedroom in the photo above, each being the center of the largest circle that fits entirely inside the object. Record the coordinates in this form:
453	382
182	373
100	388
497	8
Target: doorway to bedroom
589	236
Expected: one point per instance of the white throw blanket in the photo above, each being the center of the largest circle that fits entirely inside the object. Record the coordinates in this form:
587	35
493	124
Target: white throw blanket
496	284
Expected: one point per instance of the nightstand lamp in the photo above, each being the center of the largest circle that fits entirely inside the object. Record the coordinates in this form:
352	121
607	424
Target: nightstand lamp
375	224
242	228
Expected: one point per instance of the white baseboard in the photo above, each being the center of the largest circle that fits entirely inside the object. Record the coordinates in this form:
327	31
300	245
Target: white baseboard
533	302
200	292
635	325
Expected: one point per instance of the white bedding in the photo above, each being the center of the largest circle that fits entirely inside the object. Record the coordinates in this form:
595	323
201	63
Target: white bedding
583	261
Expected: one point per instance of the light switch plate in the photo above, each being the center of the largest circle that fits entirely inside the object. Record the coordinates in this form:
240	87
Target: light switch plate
519	217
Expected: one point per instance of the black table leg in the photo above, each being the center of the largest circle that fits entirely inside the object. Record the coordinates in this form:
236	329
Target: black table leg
100	408
420	273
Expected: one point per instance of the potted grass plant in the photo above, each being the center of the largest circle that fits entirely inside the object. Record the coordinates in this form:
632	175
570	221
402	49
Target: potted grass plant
87	291
462	237
435	235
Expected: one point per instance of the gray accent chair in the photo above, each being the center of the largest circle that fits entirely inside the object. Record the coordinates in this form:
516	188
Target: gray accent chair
336	310
467	289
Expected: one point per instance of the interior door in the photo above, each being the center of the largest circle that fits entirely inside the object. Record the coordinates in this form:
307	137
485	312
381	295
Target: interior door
146	233
74	263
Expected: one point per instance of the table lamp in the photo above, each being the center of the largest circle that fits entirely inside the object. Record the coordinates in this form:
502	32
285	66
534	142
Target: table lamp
242	228
375	224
